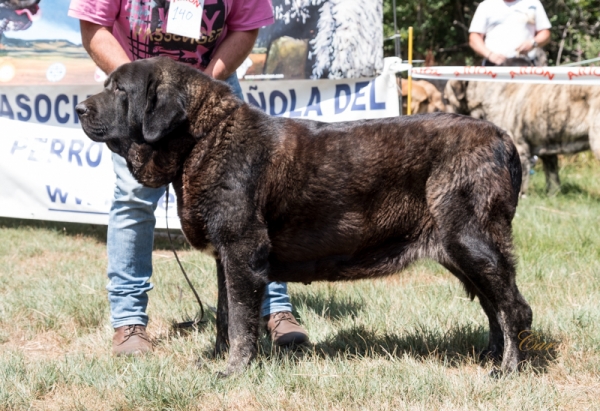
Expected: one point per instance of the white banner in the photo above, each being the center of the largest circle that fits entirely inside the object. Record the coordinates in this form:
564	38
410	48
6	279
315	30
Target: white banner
49	105
547	75
59	174
326	100
50	170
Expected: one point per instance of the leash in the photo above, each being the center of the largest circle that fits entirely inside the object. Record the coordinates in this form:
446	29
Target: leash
199	318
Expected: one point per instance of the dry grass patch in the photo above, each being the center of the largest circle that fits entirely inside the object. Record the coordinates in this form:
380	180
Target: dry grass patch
79	397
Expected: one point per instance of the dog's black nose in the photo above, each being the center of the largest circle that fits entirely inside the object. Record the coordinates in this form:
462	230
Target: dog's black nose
81	109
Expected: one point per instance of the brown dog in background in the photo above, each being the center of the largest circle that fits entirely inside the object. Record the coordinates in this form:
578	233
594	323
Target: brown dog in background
279	199
425	97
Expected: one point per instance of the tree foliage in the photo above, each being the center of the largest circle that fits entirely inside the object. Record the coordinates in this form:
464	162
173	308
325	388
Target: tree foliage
441	28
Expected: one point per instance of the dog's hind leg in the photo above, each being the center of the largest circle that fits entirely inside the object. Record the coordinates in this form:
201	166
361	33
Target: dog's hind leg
490	274
222	343
473	210
496	336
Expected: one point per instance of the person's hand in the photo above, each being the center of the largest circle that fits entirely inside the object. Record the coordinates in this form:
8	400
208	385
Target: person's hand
497	59
525	47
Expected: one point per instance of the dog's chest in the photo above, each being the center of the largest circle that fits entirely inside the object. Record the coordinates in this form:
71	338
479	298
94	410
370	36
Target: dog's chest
193	223
196	234
194	228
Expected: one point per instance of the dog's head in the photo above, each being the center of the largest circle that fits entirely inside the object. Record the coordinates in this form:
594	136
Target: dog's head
142	115
142	101
434	97
455	95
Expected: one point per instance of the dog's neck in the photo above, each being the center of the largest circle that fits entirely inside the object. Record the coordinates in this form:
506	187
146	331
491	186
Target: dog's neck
212	104
149	164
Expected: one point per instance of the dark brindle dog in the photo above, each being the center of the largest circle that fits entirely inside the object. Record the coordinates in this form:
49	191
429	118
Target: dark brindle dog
278	199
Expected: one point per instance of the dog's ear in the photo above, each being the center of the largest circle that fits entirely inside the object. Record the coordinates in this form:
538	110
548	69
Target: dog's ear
165	110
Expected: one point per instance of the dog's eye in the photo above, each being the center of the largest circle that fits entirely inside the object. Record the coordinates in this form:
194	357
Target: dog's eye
119	89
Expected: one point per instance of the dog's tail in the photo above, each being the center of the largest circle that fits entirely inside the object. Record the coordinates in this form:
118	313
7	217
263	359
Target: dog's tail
514	165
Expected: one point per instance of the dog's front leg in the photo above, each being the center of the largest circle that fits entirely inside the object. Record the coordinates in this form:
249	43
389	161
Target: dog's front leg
245	265
222	343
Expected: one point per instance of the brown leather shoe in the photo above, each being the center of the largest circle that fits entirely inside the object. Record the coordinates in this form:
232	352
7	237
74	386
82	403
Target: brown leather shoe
284	329
131	340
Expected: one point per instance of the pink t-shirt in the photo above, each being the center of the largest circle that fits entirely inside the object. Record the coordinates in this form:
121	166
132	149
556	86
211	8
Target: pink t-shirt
138	25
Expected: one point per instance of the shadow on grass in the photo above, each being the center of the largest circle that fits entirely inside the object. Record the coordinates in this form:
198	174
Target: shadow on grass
457	347
96	232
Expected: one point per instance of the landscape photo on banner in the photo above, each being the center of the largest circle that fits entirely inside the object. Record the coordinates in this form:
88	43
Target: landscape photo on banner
41	45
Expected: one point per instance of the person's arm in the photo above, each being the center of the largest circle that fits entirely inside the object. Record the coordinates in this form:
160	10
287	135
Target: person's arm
231	53
102	46
542	30
542	38
477	43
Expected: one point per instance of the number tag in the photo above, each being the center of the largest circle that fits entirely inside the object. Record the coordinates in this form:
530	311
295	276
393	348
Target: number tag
185	18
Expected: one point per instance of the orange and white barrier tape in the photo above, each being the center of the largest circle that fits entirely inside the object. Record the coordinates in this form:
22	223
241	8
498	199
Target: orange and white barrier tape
544	75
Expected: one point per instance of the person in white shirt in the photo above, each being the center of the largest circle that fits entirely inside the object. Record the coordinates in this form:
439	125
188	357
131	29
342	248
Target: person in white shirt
508	29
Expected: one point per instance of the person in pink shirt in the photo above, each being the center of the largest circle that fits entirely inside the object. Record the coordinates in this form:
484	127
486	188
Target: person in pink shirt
115	32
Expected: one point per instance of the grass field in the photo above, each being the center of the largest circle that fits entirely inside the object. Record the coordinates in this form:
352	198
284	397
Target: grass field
405	342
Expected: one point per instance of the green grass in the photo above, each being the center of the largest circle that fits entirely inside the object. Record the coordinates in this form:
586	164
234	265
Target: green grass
403	342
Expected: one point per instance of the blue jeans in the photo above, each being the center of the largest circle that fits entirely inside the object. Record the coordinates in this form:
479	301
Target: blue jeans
130	242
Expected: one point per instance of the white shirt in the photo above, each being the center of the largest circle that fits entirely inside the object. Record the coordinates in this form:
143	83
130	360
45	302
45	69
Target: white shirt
506	25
